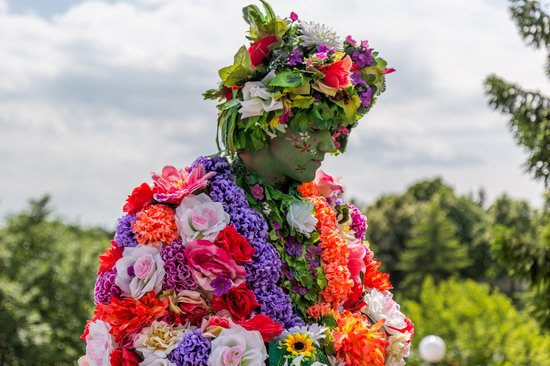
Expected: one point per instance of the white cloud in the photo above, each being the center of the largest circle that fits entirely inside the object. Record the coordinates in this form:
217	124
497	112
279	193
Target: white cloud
94	98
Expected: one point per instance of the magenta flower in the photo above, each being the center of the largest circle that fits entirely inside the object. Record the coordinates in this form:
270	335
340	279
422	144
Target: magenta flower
293	16
173	185
257	192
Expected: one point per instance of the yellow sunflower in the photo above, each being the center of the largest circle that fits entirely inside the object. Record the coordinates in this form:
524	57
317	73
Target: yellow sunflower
299	344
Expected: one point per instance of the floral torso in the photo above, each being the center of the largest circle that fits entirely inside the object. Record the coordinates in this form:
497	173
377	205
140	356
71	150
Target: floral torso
212	267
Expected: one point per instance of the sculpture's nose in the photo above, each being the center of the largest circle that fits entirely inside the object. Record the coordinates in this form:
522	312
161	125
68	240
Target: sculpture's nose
326	144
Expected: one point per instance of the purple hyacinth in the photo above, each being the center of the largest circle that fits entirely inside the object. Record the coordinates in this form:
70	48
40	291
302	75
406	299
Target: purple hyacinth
358	222
178	275
363	59
192	350
357	79
295	58
366	98
105	288
124	236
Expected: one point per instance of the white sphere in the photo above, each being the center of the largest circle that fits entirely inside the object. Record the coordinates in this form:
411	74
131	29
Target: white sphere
432	348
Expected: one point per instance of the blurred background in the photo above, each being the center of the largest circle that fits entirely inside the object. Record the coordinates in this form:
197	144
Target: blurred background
451	167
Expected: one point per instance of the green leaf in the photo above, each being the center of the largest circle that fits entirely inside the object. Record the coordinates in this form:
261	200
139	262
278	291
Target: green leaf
303	102
240	70
288	79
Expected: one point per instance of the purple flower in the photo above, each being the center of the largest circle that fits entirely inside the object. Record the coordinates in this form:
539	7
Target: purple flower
124	236
356	79
257	192
296	288
320	55
221	285
366	98
105	288
363	59
358	222
365	45
295	58
293	247
351	41
293	16
192	350
322	48
178	275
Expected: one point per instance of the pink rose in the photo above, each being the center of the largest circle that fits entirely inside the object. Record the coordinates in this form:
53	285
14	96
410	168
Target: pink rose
327	185
198	217
208	261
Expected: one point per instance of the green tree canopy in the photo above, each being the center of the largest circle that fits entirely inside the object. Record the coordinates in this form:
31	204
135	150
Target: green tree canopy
480	327
47	275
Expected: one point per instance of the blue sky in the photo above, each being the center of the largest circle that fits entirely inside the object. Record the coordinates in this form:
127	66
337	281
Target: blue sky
95	95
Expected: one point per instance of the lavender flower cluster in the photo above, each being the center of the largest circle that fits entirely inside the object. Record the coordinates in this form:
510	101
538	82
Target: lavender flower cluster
192	350
264	271
124	236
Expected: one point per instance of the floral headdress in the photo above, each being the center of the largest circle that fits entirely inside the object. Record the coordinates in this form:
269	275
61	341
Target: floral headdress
298	74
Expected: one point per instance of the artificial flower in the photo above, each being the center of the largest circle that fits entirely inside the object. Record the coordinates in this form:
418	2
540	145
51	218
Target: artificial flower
373	278
397	349
124	356
139	271
337	74
192	350
158	340
298	344
187	306
264	324
313	331
235	244
178	275
128	315
207	261
327	185
240	301
300	217
155	225
381	306
108	260
99	343
237	346
173	184
198	217
259	50
139	198
257	99
211	327
314	34
257	192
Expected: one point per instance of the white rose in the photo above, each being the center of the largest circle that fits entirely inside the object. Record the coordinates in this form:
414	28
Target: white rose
198	217
238	346
300	217
140	270
99	343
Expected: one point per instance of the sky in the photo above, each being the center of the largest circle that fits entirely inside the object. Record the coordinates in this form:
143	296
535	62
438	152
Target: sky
96	95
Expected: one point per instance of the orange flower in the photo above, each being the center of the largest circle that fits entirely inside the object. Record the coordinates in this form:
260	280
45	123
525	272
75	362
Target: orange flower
128	316
373	277
318	311
358	343
108	259
155	225
308	189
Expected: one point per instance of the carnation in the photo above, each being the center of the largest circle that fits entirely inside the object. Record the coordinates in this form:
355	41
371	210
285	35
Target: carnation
380	305
158	339
198	217
155	225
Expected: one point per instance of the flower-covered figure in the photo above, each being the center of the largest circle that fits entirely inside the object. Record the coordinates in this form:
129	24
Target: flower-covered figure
251	256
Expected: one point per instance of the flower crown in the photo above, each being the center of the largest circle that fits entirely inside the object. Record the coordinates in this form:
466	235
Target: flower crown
295	74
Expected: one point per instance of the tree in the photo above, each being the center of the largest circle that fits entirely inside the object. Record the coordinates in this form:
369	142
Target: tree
47	274
529	111
479	326
434	249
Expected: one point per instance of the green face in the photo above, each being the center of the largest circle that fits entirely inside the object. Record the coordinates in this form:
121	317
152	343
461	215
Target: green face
300	154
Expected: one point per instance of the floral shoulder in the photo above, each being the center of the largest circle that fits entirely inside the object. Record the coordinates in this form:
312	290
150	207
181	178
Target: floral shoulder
208	266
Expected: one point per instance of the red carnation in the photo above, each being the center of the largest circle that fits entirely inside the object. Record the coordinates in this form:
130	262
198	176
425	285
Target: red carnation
260	49
108	259
267	327
139	198
354	302
128	316
240	301
337	75
235	244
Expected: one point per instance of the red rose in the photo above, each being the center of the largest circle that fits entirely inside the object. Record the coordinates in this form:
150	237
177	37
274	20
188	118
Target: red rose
337	75
235	244
108	259
124	357
240	301
260	49
267	327
140	197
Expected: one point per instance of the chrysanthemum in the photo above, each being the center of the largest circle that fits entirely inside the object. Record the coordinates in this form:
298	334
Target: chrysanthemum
299	344
358	343
155	225
315	34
